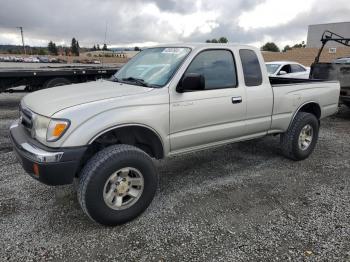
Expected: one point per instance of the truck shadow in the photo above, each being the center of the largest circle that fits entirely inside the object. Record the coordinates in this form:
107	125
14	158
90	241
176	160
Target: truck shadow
343	113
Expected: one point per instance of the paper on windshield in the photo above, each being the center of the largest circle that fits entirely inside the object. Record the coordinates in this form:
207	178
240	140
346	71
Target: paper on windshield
172	50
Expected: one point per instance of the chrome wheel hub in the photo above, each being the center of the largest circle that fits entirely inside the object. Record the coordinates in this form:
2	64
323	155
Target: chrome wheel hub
123	188
305	137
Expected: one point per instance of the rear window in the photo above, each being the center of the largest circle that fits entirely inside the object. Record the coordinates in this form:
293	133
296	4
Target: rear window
251	67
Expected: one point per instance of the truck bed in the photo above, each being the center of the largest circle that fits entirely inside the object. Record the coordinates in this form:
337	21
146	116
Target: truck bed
276	81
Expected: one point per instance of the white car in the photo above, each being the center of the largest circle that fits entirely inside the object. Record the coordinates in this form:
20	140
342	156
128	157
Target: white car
31	59
287	69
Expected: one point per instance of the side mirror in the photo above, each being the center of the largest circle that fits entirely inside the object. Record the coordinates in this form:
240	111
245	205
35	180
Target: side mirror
281	73
191	82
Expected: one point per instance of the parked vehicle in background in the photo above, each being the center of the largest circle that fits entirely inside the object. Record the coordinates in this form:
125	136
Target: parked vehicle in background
342	60
287	69
339	69
31	59
167	100
43	59
36	78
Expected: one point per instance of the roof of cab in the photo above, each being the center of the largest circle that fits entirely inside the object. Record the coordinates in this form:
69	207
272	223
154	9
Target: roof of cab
208	45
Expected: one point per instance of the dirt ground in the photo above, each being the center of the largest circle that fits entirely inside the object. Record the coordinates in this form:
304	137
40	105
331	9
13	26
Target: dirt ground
240	202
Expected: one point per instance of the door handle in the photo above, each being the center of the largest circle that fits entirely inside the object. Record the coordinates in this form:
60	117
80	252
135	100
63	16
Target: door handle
236	100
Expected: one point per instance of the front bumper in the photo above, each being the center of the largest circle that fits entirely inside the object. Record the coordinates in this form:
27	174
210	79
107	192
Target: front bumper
48	165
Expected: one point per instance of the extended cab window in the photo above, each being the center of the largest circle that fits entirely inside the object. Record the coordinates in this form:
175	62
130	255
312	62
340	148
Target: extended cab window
251	67
217	67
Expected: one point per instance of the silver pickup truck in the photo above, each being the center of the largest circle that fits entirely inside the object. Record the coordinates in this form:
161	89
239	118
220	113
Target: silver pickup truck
167	100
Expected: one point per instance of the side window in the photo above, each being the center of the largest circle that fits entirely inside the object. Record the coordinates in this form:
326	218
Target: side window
286	68
297	68
217	67
251	67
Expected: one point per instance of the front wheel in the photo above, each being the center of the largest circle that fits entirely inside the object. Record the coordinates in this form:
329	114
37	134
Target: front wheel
117	184
300	139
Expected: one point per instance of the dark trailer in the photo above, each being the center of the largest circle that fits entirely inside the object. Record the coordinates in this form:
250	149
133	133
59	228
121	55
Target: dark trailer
45	77
335	70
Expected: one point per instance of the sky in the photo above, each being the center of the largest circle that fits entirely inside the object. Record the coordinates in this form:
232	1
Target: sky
129	23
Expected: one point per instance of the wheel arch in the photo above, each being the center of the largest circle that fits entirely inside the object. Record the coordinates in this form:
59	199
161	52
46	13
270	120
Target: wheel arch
139	135
311	107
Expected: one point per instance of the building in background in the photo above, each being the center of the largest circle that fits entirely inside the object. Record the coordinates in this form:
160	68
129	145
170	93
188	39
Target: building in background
315	32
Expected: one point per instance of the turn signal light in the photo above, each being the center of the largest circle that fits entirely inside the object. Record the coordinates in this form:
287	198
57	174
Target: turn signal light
36	169
59	129
56	129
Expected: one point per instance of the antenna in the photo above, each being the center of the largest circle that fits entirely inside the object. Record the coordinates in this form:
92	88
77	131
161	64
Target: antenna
24	47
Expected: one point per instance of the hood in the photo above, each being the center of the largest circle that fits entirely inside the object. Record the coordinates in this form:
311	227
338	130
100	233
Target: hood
49	101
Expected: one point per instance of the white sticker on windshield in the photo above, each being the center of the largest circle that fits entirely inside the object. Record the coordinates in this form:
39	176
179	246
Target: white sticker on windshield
169	50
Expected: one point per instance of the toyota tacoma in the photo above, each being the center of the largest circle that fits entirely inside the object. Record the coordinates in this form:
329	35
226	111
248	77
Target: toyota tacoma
167	100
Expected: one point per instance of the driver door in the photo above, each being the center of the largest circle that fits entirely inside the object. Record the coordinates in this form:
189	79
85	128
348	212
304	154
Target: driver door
213	115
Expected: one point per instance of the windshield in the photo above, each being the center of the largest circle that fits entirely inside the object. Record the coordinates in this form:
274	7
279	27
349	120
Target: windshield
152	67
272	68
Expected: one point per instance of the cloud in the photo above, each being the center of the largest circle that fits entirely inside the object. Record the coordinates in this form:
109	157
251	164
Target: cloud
163	21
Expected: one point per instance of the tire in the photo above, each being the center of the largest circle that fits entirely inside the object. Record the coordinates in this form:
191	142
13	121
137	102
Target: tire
291	148
56	82
95	180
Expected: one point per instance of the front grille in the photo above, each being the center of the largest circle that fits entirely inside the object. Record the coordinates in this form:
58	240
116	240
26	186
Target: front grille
26	117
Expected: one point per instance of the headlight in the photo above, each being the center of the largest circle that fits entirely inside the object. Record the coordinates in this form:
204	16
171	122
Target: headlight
39	126
45	128
56	129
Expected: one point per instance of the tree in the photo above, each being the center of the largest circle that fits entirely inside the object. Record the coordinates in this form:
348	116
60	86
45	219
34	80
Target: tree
52	48
42	51
270	46
301	45
223	40
66	51
98	47
220	40
78	49
74	48
93	48
286	48
104	48
137	48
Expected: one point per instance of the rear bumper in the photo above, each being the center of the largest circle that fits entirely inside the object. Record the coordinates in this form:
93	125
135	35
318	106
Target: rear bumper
47	165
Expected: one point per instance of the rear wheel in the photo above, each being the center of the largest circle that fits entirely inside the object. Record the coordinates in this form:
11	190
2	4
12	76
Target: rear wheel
117	184
300	139
60	81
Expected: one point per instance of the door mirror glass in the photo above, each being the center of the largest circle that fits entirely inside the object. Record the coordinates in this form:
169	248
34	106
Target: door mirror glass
191	82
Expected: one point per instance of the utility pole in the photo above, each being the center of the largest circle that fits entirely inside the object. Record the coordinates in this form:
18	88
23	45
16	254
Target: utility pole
21	29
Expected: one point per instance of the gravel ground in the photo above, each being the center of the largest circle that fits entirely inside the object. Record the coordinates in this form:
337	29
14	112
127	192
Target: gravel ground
240	202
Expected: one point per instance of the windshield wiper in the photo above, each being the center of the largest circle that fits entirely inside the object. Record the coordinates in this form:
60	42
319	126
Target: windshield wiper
114	79
136	80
